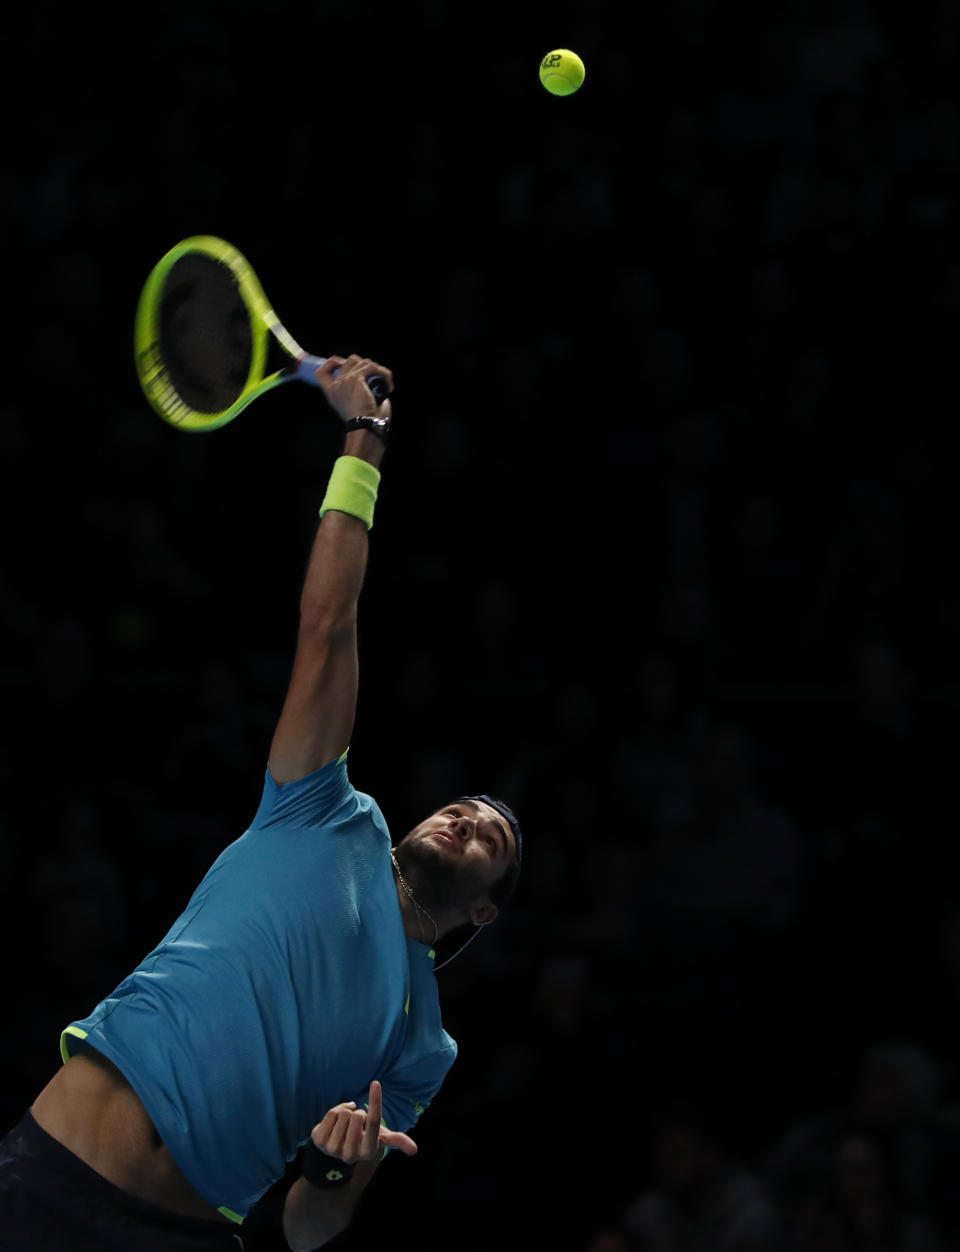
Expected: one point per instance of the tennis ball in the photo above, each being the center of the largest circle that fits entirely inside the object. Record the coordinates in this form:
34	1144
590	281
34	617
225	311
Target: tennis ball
562	72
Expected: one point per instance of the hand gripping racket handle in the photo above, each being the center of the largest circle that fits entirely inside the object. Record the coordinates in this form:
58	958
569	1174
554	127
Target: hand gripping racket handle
307	372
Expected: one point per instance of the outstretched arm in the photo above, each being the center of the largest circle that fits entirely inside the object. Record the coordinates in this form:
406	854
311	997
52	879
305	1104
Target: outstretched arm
316	721
312	1216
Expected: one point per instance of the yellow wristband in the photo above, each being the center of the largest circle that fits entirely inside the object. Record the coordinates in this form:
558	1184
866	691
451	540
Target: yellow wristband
352	489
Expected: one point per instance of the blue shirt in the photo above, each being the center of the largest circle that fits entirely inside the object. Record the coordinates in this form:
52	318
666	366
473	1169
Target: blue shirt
285	987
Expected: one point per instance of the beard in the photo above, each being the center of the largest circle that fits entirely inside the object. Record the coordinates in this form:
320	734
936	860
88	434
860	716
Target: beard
438	881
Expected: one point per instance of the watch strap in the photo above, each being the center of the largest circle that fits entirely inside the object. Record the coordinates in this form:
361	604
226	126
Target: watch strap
380	426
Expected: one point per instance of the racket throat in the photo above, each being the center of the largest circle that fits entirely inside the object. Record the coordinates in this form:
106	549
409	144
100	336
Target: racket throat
307	367
282	335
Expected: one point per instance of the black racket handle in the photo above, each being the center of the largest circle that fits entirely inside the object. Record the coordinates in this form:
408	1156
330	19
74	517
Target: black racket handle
307	371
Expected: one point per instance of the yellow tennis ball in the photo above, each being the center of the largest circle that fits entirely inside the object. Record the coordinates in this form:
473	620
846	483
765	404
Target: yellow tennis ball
562	72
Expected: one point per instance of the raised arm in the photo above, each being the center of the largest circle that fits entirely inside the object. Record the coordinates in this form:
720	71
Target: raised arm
317	718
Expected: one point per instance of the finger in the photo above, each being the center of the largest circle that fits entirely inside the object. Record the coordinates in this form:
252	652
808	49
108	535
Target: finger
326	371
324	1129
363	367
355	1141
375	1096
331	1115
337	1140
371	404
376	368
331	1133
397	1139
371	1135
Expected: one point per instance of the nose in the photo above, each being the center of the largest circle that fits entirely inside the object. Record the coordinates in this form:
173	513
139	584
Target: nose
464	826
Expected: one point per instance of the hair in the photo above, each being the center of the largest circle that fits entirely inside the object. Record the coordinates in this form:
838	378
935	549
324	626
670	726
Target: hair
501	891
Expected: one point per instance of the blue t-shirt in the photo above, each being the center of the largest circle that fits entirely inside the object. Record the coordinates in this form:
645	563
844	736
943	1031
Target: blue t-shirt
285	987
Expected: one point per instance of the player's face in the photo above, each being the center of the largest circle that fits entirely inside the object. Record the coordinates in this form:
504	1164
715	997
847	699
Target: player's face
466	843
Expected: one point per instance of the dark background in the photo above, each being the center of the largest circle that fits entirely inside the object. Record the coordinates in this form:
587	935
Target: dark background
664	552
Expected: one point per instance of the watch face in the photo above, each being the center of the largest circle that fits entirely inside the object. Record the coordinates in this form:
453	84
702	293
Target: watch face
379	425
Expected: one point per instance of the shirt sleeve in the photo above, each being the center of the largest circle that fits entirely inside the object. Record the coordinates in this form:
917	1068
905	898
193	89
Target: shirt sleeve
309	801
409	1088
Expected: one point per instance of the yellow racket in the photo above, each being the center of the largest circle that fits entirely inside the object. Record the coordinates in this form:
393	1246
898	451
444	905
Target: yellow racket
202	333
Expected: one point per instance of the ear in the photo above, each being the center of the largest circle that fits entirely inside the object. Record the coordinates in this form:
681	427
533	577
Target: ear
483	912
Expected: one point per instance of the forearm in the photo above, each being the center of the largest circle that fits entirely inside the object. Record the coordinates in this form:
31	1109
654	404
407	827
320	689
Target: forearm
365	445
312	1217
338	561
316	721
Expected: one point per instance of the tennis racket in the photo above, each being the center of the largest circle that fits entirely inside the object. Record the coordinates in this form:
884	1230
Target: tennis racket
202	333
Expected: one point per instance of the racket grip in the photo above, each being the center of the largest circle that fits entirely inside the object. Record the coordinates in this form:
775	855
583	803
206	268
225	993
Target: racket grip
307	368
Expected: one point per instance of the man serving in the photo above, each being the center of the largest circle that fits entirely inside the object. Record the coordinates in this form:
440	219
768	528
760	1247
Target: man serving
294	1000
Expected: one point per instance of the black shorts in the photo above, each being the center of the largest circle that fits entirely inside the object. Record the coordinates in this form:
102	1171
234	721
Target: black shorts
49	1199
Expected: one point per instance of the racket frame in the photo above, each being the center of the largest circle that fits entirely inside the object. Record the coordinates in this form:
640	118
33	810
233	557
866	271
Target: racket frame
152	371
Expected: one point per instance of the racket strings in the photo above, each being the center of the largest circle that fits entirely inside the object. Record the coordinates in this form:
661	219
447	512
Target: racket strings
205	338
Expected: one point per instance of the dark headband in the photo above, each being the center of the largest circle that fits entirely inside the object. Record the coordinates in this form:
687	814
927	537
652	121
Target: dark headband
504	812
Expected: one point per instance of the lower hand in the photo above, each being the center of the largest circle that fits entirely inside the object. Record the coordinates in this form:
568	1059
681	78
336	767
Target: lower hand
351	1134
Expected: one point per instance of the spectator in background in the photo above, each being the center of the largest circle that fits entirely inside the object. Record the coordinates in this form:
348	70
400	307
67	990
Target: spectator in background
702	1198
758	594
719	887
861	1207
652	754
77	901
900	1137
610	1239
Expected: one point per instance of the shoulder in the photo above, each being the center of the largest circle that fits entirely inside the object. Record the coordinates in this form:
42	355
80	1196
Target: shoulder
325	797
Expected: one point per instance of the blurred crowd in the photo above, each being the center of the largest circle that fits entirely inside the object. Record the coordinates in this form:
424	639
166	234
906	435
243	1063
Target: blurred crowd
664	556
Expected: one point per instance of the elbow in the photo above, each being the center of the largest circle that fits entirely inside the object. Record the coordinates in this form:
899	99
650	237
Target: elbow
327	623
301	1244
296	1242
298	1235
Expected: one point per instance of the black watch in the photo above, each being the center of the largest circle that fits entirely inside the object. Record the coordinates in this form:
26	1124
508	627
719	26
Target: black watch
379	425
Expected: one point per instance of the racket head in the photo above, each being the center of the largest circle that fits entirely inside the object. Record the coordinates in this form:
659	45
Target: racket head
201	335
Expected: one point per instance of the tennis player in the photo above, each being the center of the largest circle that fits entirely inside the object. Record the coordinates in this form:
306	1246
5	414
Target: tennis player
294	1001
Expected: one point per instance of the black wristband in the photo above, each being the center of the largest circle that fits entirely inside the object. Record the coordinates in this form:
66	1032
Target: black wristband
379	426
321	1170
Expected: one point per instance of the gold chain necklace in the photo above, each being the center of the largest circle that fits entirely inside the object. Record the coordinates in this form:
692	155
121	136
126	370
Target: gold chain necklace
419	907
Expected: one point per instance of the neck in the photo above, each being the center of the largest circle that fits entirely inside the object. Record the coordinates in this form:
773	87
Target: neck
418	923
